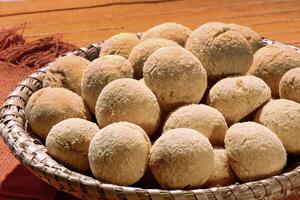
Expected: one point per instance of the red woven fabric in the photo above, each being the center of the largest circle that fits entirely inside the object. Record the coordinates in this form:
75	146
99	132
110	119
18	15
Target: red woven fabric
16	182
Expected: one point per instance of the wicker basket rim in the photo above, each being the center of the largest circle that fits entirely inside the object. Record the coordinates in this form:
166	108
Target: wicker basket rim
32	154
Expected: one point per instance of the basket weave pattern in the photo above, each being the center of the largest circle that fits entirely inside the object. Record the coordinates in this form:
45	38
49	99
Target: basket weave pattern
32	153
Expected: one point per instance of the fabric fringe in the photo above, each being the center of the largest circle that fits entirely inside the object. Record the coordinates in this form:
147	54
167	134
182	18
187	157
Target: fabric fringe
15	50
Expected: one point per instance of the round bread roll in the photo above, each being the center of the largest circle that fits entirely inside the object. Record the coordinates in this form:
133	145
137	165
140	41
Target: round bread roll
175	76
119	152
128	100
181	158
253	38
119	44
48	106
221	49
200	117
236	97
283	118
69	140
222	174
254	151
143	50
289	86
101	71
272	62
66	72
171	31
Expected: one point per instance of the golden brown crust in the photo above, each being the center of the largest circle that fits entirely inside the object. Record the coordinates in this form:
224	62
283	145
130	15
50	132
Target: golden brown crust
66	72
181	158
48	106
272	62
282	117
128	100
236	97
222	174
175	76
253	38
69	140
221	49
289	86
171	31
119	153
205	119
254	151
143	50
100	72
120	44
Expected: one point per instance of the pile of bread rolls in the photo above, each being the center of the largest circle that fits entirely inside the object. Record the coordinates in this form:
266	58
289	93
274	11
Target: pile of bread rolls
195	108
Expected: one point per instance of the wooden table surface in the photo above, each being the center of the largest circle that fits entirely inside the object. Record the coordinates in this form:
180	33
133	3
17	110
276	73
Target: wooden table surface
82	21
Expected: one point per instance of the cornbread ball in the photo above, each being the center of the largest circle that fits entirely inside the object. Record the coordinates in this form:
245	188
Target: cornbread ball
171	31
119	153
272	62
221	49
236	97
142	81
253	38
128	100
289	86
69	140
283	118
181	158
200	117
254	151
48	106
222	174
101	71
175	76
66	72
119	44
143	50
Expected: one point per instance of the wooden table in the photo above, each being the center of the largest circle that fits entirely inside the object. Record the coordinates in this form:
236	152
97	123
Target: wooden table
83	22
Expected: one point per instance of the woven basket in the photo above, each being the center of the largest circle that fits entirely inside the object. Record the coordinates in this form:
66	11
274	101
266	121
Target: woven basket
32	153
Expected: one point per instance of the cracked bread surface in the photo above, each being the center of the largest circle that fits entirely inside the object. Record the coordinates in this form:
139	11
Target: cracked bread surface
181	158
254	151
119	153
222	174
171	31
205	119
100	72
272	62
282	116
128	100
143	50
289	86
120	44
66	72
48	106
69	140
175	76
253	38
236	97
221	49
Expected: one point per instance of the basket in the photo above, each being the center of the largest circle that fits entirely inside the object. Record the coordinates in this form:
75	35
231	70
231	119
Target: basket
32	153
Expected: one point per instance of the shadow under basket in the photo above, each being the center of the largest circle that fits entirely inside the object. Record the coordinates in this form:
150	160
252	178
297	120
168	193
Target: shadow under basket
32	153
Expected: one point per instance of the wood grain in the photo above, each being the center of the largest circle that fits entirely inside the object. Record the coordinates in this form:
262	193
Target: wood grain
83	22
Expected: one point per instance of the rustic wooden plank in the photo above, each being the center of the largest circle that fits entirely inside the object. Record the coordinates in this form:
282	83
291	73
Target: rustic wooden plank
274	19
38	6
